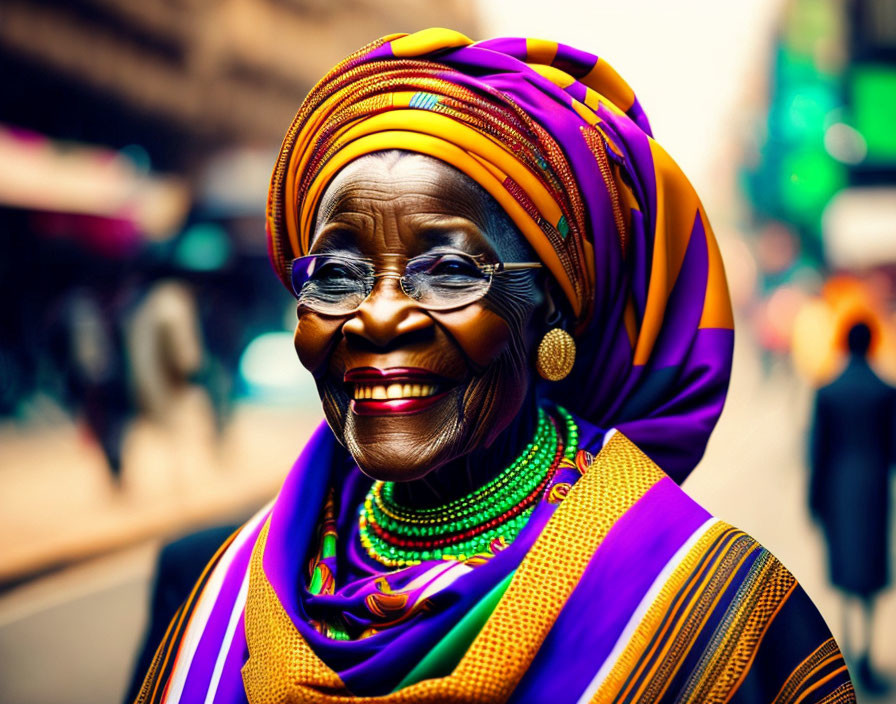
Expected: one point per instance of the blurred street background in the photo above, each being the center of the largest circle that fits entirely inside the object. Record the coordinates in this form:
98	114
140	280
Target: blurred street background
148	385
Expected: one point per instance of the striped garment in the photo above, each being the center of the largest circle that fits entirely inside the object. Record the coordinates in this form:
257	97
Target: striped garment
627	591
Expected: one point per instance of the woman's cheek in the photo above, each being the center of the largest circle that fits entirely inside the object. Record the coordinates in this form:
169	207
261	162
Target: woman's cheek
482	334
313	339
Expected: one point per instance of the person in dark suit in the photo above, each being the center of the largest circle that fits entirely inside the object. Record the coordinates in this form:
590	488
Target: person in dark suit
852	451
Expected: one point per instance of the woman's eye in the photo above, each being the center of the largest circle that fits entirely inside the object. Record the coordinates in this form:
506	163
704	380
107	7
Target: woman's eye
334	271
451	265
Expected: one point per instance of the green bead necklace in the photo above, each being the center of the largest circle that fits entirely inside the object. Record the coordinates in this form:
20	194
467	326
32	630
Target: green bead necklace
397	536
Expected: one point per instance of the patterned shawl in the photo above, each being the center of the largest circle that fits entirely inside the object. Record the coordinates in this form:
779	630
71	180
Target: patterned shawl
561	142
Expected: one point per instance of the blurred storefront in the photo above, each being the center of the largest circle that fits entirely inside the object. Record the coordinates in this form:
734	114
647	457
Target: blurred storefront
821	180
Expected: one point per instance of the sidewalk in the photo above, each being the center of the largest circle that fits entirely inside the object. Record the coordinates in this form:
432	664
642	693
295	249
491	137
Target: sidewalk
59	505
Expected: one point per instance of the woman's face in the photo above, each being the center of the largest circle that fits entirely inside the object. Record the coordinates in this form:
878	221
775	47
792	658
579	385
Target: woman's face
454	380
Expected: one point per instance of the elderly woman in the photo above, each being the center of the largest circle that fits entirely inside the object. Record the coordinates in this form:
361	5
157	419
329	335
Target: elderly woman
516	315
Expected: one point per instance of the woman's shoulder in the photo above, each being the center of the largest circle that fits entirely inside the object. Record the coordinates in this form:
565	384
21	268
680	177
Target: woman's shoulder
712	604
741	624
692	546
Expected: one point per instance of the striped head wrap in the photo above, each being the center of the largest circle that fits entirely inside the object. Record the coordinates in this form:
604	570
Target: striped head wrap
561	143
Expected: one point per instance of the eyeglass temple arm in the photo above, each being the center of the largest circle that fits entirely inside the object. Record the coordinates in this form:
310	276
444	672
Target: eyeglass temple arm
515	266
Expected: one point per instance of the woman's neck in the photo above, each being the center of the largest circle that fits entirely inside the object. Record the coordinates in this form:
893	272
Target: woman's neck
471	471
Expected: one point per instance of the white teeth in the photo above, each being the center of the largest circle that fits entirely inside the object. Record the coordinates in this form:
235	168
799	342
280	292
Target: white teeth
381	392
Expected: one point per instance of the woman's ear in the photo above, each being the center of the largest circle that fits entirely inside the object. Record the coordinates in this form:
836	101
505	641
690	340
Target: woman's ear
554	315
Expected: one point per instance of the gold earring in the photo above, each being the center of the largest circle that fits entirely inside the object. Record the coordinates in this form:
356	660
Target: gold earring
556	355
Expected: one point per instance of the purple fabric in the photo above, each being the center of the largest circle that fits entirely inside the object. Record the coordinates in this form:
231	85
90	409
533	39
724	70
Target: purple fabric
296	512
230	688
632	555
209	646
690	404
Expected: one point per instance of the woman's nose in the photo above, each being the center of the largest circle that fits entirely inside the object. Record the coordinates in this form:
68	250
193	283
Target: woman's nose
387	314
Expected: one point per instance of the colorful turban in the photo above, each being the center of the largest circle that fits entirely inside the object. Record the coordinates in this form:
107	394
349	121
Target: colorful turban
561	143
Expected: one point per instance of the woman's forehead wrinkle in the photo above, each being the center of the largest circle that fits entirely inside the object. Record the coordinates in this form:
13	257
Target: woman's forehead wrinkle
332	199
412	202
454	231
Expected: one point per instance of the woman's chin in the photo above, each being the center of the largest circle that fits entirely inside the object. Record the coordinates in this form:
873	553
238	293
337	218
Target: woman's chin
403	442
383	473
399	456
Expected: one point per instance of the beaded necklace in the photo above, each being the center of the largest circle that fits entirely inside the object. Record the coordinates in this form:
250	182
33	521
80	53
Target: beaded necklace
399	536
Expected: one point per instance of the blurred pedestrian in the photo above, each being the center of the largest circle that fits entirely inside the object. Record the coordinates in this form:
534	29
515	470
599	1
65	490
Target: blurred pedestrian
164	345
172	440
97	372
852	451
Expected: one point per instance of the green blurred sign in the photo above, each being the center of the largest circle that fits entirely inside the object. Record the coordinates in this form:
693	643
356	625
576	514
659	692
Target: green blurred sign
873	93
808	180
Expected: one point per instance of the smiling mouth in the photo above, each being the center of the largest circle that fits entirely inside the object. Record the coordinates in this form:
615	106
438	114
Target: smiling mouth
396	390
380	392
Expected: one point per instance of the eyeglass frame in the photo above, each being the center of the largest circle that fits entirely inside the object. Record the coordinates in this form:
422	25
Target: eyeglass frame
490	270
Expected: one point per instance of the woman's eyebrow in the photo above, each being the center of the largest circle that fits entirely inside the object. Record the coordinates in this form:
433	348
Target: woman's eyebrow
445	224
334	237
457	232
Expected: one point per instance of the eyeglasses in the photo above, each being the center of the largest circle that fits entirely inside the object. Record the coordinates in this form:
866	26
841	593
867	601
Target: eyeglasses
337	284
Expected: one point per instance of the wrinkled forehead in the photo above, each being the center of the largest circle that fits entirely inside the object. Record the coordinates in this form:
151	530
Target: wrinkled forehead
419	186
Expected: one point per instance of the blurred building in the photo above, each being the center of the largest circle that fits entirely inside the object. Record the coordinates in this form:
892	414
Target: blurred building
136	144
821	176
180	77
